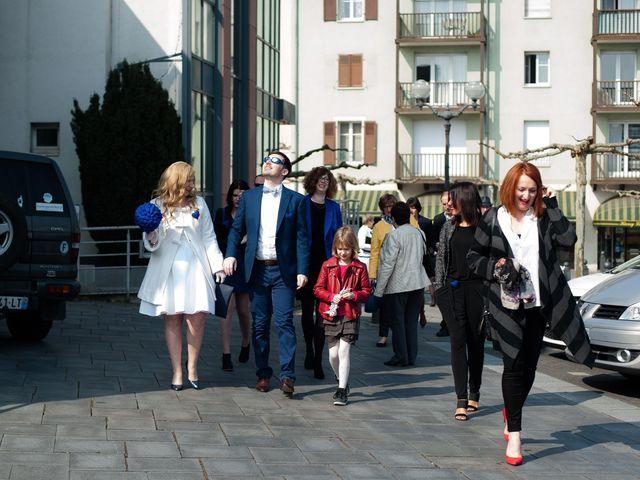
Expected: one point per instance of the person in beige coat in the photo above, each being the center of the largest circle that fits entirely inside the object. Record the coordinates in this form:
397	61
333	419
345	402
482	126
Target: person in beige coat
401	283
185	262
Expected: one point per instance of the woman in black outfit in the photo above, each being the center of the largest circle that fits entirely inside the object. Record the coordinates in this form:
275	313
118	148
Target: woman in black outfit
459	294
515	250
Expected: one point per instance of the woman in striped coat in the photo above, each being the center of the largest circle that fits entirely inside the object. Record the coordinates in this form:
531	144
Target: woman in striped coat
523	233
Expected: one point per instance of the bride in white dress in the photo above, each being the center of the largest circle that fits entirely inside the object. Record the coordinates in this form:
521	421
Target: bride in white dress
185	261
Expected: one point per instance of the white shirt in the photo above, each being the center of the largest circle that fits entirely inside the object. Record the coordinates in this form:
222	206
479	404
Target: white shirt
268	226
363	233
525	247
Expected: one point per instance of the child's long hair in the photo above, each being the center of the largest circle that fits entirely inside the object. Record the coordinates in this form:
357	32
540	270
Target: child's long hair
171	187
345	238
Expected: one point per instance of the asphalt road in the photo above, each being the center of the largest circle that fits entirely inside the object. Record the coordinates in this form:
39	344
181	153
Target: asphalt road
553	362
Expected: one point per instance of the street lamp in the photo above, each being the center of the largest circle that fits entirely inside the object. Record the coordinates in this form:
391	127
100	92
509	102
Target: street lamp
420	92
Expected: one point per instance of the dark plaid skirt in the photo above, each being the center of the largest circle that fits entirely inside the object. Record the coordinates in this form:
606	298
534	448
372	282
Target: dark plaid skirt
341	328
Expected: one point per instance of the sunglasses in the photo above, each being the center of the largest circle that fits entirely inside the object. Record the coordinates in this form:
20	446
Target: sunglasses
273	160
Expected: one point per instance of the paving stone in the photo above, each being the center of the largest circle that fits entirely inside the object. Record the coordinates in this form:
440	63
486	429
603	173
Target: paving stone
88	446
98	475
231	467
97	461
27	443
152	449
39	472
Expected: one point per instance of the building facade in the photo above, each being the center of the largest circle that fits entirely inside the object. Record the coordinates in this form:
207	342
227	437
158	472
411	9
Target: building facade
553	71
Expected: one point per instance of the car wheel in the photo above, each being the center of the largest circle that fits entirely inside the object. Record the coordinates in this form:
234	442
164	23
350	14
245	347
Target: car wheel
13	233
28	327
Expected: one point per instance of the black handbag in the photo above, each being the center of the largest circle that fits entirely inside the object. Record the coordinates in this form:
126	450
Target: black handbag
223	297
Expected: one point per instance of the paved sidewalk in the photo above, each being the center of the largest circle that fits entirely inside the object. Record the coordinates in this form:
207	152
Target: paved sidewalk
92	402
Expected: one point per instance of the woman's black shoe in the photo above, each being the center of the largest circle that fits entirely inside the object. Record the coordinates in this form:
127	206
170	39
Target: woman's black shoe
176	387
244	354
227	366
195	384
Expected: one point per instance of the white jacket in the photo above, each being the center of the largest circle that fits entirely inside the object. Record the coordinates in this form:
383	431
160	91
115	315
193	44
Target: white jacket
199	232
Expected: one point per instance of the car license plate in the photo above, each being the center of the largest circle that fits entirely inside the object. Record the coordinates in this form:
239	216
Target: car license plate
14	303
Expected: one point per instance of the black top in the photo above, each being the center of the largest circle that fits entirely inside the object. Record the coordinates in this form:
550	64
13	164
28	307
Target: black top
317	252
460	243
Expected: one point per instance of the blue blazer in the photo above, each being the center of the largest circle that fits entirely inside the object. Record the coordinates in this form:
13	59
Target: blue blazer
291	234
332	222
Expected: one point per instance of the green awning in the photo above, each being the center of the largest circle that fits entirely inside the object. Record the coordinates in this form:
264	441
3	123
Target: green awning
368	199
431	205
567	203
618	212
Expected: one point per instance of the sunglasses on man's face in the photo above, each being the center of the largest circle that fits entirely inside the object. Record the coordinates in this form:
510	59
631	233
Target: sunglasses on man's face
273	160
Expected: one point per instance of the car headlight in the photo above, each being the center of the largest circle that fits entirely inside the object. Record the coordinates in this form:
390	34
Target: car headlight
631	313
587	308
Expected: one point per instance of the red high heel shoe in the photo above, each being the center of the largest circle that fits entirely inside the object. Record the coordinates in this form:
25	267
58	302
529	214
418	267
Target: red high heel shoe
504	419
515	461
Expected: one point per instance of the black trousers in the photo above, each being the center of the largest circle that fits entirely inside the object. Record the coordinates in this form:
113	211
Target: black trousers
518	380
467	341
403	310
381	316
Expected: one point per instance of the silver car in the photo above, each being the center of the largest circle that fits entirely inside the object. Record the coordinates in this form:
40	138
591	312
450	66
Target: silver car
611	314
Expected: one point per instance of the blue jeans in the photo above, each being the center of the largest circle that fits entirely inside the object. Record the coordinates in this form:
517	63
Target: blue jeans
270	296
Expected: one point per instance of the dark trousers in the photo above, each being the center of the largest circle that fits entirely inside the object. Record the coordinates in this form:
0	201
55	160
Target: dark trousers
312	326
403	310
381	317
467	342
518	379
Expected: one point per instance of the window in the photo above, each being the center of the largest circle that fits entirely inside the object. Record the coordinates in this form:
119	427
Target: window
349	71
358	138
350	10
536	68
44	138
536	135
618	5
537	8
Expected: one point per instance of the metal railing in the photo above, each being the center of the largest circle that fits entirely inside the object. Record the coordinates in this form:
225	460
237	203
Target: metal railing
611	166
617	93
438	25
618	22
431	165
442	94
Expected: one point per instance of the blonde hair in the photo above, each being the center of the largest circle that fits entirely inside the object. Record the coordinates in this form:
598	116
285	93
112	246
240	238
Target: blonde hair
345	238
171	187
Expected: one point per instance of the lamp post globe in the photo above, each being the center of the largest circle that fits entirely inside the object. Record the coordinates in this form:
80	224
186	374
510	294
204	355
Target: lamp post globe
420	92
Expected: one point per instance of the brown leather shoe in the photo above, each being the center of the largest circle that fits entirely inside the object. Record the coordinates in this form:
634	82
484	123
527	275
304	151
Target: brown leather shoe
262	385
286	385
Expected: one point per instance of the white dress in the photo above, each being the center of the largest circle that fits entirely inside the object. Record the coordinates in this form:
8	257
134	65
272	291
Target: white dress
186	288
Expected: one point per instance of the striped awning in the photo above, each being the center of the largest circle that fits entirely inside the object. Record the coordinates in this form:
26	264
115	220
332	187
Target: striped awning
431	205
567	203
618	212
368	199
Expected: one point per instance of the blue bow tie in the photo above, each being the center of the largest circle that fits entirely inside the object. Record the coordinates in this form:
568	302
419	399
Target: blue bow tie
275	191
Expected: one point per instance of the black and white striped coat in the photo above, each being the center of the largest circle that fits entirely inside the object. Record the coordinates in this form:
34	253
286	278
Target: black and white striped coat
557	303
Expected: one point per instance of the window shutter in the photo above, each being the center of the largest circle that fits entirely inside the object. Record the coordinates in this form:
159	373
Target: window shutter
370	140
344	75
371	10
330	10
329	156
356	70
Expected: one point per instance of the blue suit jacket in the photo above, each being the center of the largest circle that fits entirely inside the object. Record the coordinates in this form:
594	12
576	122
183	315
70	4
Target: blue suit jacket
332	222
291	234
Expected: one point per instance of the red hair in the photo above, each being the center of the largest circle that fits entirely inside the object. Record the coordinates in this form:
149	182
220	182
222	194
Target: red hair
510	183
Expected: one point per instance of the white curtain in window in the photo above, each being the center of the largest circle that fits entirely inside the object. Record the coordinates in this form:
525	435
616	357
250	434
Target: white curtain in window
537	8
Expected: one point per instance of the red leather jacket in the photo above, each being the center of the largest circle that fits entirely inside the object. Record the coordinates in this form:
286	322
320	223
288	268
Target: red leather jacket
329	284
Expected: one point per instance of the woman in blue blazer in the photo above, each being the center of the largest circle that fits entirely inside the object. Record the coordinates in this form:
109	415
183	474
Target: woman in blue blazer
323	218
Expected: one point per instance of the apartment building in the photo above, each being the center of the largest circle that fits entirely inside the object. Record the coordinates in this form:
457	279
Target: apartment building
553	72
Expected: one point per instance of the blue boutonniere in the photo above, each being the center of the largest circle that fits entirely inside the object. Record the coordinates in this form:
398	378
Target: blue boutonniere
196	214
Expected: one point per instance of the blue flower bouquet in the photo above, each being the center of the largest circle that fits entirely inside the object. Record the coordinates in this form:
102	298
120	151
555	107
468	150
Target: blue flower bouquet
148	216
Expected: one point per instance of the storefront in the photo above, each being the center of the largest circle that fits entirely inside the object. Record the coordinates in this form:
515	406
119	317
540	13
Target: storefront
618	224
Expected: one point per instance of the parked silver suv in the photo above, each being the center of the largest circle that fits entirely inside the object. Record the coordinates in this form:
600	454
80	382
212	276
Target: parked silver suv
39	244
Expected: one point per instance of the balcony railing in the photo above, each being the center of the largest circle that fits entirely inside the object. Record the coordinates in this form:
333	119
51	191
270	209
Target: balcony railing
615	167
431	165
439	25
442	94
617	93
618	22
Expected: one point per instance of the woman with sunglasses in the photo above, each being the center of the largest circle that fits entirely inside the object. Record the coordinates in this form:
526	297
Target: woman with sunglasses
323	220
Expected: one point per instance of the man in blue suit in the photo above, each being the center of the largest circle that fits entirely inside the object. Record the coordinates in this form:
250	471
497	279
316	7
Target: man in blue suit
276	264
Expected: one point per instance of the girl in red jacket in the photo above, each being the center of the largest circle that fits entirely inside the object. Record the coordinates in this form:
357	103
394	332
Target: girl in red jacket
342	287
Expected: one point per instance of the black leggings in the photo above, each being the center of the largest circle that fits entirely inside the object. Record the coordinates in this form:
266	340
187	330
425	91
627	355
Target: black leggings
518	379
312	324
